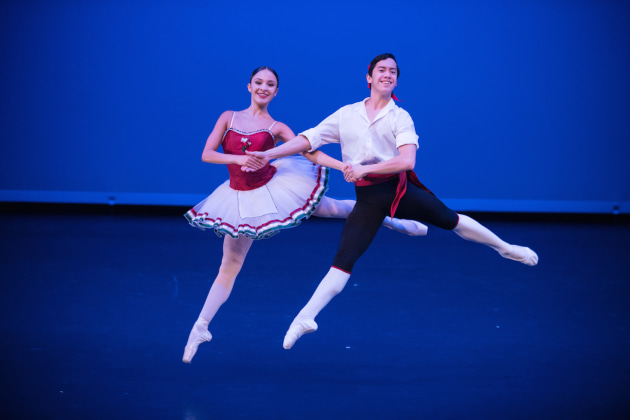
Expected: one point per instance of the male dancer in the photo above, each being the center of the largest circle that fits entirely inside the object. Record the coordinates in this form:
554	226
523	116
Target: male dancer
378	146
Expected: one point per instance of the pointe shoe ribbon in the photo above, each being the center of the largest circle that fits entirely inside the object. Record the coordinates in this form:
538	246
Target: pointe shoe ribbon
296	330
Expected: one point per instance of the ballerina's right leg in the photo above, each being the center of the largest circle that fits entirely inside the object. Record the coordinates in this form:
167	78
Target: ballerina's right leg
234	253
340	209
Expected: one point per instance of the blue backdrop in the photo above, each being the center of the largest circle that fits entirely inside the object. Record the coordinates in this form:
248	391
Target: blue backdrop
520	105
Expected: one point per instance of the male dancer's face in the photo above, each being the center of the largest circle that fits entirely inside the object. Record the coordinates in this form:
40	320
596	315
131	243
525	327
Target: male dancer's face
384	76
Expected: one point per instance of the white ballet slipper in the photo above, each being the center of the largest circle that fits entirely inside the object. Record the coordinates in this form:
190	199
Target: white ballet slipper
521	254
296	330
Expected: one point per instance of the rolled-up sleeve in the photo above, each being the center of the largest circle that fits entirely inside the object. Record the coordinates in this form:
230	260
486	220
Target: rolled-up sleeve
326	132
405	131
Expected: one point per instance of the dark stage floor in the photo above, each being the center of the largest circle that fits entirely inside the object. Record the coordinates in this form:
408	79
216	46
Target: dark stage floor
97	307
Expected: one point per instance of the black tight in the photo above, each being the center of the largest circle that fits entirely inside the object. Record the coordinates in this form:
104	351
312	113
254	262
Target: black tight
373	204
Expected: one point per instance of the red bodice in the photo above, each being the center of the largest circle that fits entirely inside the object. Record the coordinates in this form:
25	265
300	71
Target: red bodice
235	142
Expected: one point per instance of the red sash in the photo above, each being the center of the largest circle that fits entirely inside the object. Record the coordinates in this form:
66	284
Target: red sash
401	188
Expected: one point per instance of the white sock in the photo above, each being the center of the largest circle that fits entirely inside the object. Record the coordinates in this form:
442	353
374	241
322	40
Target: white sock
408	227
471	230
330	286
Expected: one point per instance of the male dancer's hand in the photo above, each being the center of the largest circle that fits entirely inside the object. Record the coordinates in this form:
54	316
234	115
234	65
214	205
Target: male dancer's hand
254	161
350	172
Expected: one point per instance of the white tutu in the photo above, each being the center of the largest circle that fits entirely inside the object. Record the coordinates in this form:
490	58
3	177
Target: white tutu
288	198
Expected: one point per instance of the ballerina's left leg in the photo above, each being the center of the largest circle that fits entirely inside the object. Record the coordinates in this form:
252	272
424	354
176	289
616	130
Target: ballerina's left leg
340	209
234	253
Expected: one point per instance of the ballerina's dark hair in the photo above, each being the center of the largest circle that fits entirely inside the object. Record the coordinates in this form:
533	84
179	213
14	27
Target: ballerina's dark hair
261	68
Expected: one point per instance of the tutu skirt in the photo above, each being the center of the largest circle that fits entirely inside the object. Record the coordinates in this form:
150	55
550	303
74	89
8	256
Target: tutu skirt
288	198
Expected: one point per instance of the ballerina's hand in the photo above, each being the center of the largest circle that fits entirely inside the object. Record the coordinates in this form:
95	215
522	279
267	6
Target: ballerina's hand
349	173
254	161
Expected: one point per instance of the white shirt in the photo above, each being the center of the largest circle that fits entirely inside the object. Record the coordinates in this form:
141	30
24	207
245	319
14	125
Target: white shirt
362	141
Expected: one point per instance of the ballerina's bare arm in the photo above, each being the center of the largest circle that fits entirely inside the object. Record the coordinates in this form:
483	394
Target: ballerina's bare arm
291	147
323	159
210	153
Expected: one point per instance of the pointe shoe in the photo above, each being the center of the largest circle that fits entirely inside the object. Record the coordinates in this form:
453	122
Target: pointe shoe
408	227
520	254
296	330
198	335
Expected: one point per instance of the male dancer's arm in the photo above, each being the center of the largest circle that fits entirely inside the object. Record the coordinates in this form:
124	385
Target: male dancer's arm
286	135
326	132
405	161
299	144
296	145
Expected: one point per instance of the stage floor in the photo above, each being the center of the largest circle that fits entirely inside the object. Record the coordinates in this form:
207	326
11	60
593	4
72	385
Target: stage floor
97	307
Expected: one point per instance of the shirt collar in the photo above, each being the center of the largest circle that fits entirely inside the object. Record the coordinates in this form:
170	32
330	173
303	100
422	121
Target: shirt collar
389	107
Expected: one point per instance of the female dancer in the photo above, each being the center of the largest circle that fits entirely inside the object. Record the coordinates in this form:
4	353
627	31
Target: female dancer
385	184
256	205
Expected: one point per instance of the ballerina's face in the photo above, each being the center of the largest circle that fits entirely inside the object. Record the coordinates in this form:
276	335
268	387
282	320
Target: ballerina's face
263	87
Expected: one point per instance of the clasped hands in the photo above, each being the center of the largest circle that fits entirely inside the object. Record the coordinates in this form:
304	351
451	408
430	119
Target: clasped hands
253	161
353	173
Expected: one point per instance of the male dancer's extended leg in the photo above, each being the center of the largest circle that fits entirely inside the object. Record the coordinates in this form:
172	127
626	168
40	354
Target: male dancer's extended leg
357	235
329	207
234	253
471	230
418	204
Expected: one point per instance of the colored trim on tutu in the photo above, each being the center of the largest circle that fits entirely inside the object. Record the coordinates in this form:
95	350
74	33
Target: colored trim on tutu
269	228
